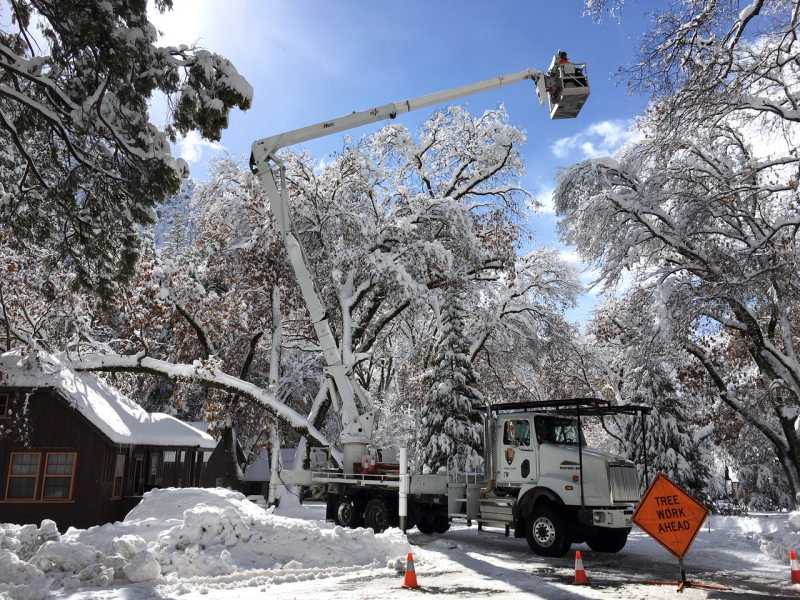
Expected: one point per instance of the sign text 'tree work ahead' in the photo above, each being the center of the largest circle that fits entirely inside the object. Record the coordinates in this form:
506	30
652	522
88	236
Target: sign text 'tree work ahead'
669	515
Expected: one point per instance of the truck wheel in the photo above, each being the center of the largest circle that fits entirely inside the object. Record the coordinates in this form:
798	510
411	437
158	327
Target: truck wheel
376	515
546	532
426	527
347	513
607	540
441	525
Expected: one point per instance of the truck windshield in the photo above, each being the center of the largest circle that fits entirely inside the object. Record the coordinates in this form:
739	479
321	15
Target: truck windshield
558	430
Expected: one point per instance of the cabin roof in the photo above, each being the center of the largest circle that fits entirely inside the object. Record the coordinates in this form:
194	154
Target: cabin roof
118	417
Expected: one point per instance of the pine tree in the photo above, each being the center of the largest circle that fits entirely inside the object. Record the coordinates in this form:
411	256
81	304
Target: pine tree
178	240
451	422
671	447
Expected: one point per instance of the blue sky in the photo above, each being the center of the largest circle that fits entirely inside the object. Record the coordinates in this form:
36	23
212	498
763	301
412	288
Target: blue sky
309	61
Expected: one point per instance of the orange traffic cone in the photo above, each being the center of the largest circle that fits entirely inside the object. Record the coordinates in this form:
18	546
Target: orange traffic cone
795	567
580	574
411	576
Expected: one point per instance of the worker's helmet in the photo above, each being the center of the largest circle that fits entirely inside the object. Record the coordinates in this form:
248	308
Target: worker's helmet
562	54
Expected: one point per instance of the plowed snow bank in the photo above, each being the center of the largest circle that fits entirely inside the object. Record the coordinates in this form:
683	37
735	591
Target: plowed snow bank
177	534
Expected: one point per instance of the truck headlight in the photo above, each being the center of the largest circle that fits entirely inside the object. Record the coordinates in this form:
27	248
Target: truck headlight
599	517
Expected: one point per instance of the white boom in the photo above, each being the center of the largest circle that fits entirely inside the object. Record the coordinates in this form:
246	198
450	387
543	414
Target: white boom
357	427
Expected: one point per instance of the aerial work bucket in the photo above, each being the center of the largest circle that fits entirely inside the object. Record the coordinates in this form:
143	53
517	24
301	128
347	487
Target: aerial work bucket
568	87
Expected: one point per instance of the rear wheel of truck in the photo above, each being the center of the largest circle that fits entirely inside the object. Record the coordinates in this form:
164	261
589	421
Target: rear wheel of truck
376	515
602	539
547	532
441	525
427	527
347	513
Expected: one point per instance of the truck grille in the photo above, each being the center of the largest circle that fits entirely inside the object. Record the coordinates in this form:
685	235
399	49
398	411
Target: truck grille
624	483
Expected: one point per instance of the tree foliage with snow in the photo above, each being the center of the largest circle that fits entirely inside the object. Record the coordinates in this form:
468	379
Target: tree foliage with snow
703	210
622	356
82	165
391	221
451	418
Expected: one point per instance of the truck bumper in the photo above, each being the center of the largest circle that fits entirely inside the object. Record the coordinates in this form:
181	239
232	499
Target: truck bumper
612	518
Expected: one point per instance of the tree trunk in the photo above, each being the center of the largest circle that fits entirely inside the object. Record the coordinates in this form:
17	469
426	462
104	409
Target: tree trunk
791	458
232	469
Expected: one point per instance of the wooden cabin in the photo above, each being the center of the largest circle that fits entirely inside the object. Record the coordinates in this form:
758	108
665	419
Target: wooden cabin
76	451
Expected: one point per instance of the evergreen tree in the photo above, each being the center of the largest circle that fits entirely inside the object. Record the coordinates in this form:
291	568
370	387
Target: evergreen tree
451	422
671	447
177	242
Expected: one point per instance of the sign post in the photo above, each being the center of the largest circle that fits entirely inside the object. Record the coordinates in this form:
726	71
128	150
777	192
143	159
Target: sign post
673	518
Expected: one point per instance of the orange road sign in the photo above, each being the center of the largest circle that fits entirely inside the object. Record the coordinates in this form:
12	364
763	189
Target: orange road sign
669	515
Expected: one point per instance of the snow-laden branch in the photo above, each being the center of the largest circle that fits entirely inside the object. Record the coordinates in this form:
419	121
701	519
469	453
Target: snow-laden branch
203	374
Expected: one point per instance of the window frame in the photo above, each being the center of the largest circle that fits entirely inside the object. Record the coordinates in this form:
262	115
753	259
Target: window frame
71	477
516	443
121	476
4	413
36	484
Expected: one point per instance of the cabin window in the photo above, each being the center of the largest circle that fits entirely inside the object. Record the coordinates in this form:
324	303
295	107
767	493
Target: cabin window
4	400
218	482
22	476
206	455
183	456
180	483
169	457
59	472
119	472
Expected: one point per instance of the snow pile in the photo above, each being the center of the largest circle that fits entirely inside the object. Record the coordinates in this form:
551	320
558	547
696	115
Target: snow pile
778	544
177	534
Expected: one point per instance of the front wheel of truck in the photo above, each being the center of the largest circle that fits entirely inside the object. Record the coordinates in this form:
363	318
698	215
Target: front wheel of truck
547	532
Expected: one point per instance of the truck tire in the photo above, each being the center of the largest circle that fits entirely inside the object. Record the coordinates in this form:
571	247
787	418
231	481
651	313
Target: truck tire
441	525
607	540
436	526
376	515
347	514
426	527
547	532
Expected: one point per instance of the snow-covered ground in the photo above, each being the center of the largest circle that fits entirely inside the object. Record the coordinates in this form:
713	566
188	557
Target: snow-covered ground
216	544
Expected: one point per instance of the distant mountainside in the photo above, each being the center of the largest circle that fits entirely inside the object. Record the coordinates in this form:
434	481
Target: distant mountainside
172	205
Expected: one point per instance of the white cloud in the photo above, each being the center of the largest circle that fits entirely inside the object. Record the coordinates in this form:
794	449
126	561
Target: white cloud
599	139
544	196
192	146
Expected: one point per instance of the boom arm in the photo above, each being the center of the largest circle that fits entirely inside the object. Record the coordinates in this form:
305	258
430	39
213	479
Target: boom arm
264	150
357	428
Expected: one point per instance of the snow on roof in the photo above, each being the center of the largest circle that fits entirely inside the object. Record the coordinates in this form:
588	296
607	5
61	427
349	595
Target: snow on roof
118	417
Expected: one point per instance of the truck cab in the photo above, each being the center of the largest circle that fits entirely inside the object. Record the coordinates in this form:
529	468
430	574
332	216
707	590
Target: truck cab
546	474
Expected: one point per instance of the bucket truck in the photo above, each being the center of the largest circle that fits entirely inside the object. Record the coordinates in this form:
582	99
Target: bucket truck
535	456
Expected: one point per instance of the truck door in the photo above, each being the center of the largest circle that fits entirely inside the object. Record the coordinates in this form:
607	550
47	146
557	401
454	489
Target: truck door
516	462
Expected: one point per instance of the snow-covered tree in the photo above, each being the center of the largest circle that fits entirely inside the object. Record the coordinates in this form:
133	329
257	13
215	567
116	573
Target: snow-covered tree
703	209
389	223
82	164
177	239
451	418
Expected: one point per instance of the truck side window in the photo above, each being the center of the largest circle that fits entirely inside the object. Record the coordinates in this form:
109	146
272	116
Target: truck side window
555	430
517	432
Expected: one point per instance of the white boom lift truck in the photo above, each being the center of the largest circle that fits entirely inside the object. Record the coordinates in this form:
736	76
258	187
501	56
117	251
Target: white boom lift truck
535	461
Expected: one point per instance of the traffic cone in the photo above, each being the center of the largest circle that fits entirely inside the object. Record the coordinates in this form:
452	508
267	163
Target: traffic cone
580	574
795	567
411	576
